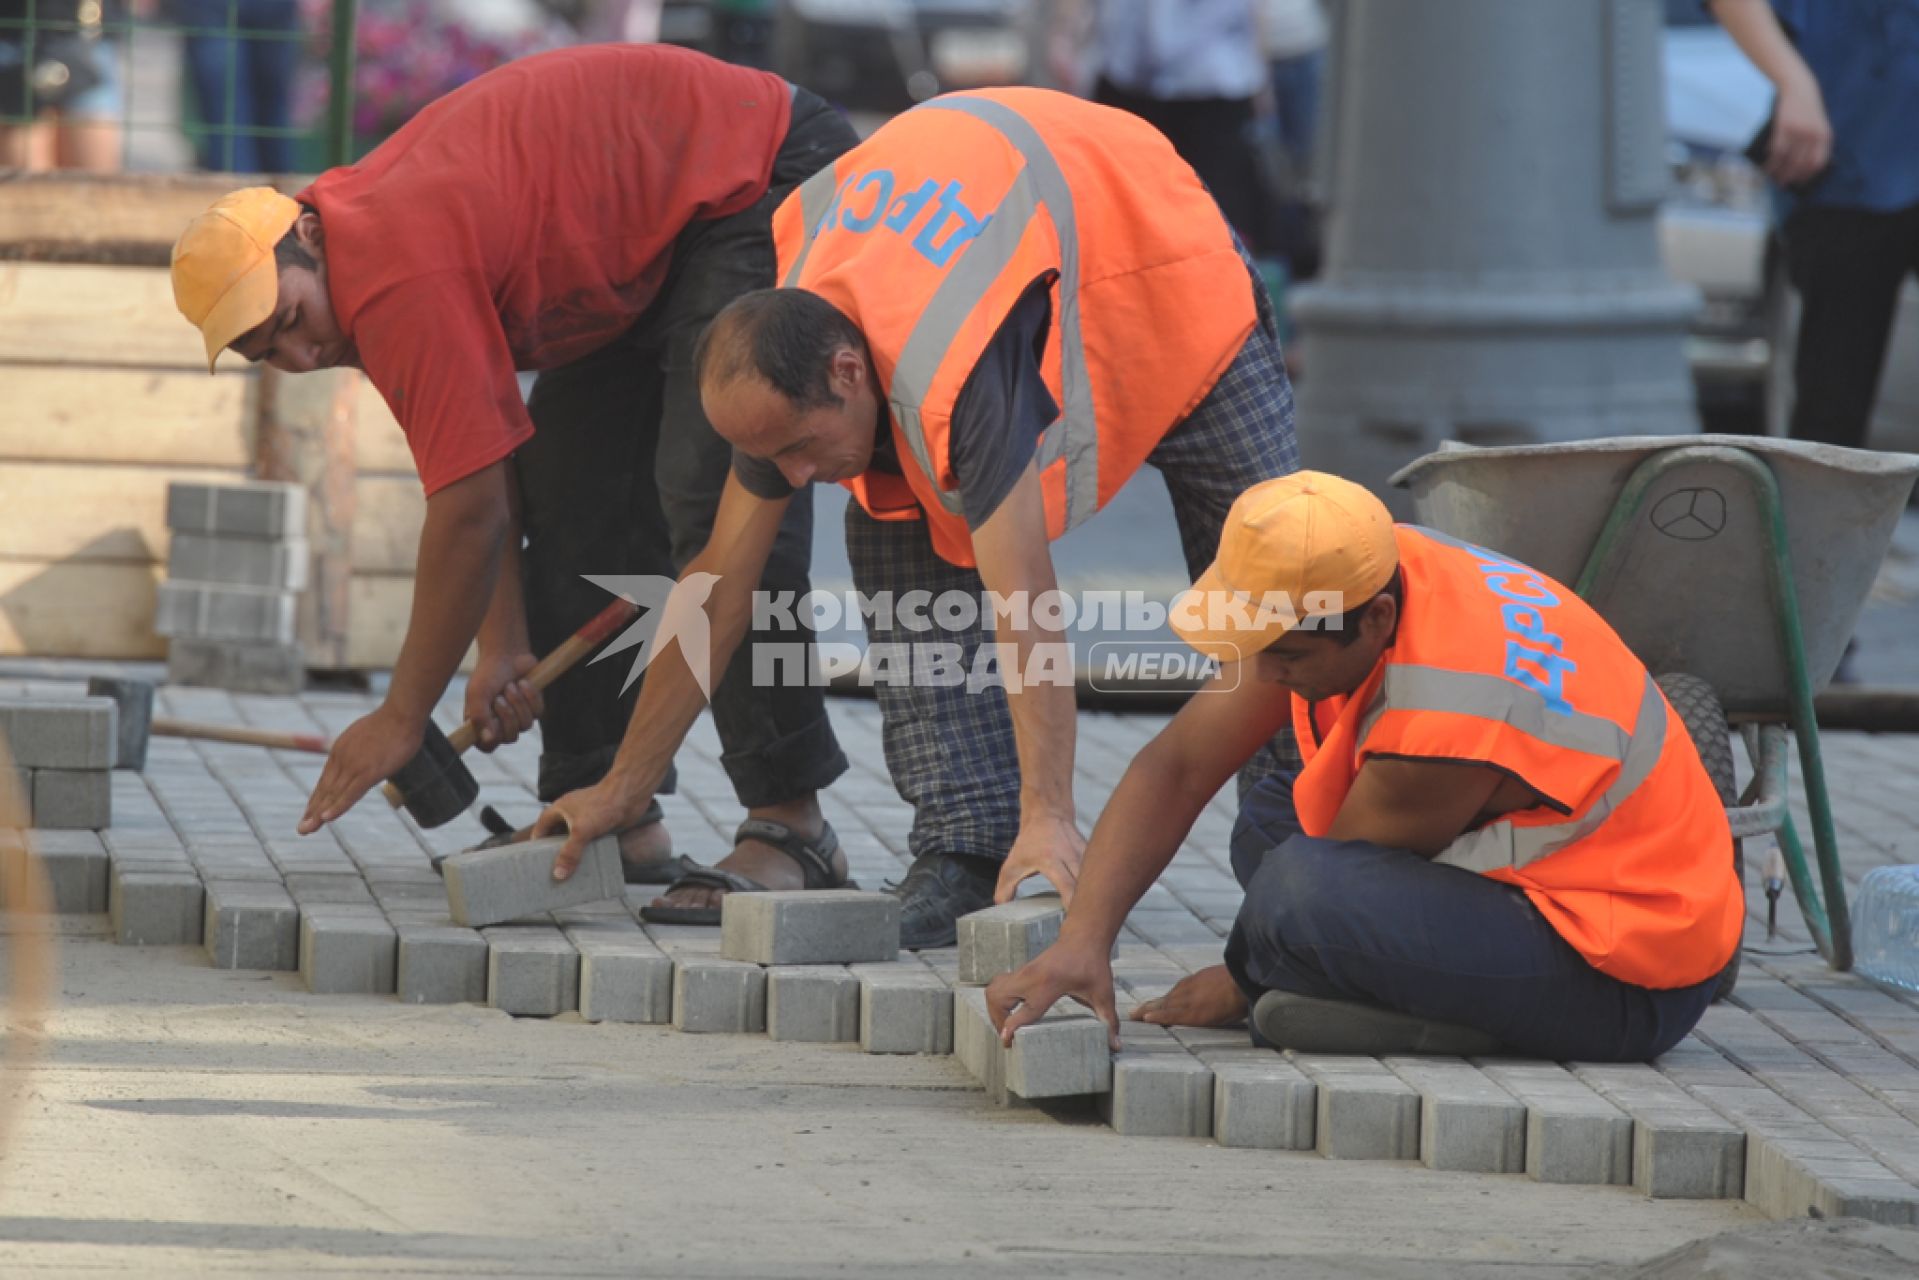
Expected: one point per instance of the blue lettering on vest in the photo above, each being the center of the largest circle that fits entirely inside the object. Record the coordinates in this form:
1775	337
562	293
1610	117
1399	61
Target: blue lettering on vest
1499	584
864	222
1534	652
951	218
1549	681
950	210
908	206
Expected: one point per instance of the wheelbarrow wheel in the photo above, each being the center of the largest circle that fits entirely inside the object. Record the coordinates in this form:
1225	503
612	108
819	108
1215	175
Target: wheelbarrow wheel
1699	709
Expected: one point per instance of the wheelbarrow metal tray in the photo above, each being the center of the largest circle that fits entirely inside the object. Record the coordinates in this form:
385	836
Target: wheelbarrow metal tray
1690	588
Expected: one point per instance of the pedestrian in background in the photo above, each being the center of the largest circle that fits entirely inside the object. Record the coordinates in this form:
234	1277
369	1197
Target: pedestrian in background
1839	146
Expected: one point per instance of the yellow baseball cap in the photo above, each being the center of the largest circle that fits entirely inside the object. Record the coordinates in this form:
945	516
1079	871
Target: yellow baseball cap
1284	541
224	278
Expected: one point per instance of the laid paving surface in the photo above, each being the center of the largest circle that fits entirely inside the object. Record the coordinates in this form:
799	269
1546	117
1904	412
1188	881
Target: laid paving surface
538	1145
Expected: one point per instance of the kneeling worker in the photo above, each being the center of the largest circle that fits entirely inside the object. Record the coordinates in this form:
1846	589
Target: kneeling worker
1502	838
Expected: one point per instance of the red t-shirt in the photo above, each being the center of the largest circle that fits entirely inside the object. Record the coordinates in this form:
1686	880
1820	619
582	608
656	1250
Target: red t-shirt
526	219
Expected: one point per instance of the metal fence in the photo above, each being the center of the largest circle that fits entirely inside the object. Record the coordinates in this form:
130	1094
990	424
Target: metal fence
69	64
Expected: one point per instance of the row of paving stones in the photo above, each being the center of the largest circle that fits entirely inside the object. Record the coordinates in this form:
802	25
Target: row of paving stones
1802	1097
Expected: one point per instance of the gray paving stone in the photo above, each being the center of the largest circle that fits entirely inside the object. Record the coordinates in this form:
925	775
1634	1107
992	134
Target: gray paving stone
815	1003
251	562
711	994
815	926
1795	1071
61	733
531	970
977	1046
623	977
1572	1133
72	799
251	925
347	949
1795	1165
904	1008
440	962
1365	1112
208	611
256	509
1466	1122
1160	1095
1065	1054
511	882
236	665
76	879
1263	1102
343	888
155	908
1000	939
1681	1148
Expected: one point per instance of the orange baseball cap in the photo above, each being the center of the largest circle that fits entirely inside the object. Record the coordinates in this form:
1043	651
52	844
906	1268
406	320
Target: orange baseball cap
1284	540
224	278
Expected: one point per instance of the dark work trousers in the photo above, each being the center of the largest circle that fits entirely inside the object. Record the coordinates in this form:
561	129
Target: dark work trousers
623	476
1348	920
1848	266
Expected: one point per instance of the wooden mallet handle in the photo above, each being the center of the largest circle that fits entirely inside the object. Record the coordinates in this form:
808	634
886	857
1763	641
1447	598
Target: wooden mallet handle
236	733
564	657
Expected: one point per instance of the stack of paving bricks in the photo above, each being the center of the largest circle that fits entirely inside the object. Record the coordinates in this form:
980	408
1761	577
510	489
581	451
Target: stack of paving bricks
238	561
63	745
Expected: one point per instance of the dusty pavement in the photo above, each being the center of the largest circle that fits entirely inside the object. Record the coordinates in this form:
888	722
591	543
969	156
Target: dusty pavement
192	1121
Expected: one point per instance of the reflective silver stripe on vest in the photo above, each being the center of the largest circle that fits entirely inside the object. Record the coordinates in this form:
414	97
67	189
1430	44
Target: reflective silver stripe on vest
980	264
1502	844
1407	687
819	197
1075	436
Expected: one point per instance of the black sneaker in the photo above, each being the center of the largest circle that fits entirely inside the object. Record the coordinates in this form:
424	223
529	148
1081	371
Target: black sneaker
1313	1025
938	889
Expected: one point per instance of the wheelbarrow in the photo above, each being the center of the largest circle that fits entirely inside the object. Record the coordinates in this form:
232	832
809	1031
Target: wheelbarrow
1738	564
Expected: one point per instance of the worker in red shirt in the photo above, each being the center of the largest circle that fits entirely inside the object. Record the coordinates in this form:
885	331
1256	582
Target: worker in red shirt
582	213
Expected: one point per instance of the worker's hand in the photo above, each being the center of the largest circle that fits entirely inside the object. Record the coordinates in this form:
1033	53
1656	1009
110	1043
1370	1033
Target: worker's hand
1023	996
585	815
499	701
1801	142
1209	998
372	749
1050	847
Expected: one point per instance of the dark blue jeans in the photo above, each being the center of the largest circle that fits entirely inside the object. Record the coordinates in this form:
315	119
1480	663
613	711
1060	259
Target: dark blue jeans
623	475
1348	920
242	80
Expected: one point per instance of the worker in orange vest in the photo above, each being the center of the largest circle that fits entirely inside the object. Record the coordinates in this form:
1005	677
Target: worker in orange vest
992	313
1502	839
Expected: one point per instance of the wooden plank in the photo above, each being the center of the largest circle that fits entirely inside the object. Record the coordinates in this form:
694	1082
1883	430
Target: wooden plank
127	415
65	314
122	218
305	435
377	618
110	512
78	609
380	444
386	526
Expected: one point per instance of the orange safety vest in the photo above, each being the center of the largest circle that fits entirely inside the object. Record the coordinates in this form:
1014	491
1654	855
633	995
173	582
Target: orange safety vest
929	232
1630	858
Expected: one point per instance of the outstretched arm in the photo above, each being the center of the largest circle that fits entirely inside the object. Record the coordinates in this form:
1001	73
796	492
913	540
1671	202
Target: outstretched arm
460	545
744	530
1151	811
1016	564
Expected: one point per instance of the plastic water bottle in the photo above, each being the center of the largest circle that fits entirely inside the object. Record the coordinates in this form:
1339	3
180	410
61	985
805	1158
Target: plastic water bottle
1885	927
